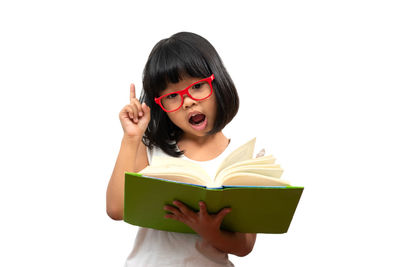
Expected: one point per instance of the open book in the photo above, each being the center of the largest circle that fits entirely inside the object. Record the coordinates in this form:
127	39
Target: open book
238	168
261	202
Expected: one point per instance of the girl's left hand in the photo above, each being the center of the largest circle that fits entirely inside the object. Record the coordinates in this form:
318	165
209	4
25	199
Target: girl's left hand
201	222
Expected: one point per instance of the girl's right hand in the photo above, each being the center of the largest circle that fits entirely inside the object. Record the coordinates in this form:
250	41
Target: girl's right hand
134	117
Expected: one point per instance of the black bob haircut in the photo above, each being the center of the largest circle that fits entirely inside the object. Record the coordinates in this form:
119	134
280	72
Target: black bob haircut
170	60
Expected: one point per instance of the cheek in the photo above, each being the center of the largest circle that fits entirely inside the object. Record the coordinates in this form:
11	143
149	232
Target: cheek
176	118
212	107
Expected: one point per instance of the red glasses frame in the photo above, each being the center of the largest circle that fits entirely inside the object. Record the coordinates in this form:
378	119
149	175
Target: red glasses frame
186	91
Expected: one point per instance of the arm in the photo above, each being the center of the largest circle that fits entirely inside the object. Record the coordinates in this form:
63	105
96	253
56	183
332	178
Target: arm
208	227
128	160
239	244
132	156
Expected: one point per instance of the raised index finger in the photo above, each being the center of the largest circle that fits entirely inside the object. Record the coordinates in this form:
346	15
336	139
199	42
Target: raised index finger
133	94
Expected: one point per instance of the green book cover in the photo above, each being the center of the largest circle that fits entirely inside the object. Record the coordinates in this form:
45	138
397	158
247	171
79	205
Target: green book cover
255	209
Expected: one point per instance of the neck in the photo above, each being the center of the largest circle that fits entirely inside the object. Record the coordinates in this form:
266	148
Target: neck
204	140
204	147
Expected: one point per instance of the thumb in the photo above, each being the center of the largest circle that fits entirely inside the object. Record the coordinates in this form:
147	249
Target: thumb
146	111
145	119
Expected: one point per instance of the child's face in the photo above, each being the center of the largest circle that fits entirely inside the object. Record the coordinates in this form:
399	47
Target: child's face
194	117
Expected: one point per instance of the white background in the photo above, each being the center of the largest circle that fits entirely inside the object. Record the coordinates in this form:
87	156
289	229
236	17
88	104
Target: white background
318	80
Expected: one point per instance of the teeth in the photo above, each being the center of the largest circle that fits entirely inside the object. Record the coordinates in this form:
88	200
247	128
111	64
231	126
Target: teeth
191	116
191	120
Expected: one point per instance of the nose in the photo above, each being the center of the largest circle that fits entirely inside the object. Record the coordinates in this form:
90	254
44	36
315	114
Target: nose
188	102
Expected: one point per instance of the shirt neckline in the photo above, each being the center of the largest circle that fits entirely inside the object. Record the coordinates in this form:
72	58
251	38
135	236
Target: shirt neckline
227	150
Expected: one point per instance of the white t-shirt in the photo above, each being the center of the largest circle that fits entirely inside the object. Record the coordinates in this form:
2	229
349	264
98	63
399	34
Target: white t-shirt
161	248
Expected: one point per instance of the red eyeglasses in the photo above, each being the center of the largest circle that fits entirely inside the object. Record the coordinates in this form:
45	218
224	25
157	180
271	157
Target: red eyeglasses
199	90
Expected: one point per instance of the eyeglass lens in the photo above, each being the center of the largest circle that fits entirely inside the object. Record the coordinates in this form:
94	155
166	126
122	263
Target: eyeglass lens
198	91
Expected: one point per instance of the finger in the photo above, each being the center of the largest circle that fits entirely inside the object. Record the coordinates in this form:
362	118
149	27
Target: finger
174	213
203	208
183	208
171	216
133	93
127	111
221	215
171	209
174	217
134	111
261	153
138	107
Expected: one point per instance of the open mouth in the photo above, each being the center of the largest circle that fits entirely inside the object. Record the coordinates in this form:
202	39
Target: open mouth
197	119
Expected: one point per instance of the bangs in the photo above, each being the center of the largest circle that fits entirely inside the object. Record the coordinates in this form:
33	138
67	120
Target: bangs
172	61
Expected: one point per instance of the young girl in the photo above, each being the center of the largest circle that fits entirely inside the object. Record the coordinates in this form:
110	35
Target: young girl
188	98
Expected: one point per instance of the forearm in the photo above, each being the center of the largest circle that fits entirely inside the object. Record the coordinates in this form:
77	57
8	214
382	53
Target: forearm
125	163
239	244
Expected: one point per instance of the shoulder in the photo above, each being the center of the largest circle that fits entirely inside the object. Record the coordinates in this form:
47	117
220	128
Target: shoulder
142	158
155	152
